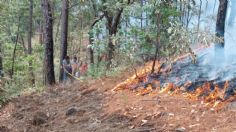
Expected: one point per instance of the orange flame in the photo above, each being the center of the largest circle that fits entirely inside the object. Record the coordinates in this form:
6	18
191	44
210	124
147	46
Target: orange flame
211	95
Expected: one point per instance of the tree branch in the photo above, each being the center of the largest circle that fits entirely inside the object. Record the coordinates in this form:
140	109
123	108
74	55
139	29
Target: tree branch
94	7
97	20
118	14
117	17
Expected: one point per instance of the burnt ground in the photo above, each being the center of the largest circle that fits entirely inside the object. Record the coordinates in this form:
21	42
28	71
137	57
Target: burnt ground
93	106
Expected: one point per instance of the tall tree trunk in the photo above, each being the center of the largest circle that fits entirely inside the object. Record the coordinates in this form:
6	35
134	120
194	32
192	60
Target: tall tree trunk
31	73
141	17
14	50
146	2
157	41
98	53
188	17
113	21
91	34
181	11
48	25
91	38
220	22
23	44
112	26
199	16
64	35
81	37
111	47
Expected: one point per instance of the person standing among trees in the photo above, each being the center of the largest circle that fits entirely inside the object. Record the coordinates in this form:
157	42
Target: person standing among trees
74	65
66	65
83	68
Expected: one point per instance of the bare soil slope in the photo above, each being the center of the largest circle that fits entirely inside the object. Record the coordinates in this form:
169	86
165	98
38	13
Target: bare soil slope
92	106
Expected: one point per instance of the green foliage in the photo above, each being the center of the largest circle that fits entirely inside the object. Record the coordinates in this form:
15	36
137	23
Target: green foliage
98	70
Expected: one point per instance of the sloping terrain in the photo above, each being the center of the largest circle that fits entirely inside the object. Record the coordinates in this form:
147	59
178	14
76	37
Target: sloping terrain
93	106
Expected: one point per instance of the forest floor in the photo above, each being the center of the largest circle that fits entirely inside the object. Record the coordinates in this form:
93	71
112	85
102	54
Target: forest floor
93	106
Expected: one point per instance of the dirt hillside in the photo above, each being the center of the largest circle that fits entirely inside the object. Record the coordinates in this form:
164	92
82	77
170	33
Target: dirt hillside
93	106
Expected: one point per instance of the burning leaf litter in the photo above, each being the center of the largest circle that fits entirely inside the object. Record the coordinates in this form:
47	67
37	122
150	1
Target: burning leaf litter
212	95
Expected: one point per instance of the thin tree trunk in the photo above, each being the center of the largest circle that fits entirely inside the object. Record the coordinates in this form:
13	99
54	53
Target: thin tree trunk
181	10
91	34
184	13
112	29
91	41
98	53
188	17
91	38
141	19
221	17
199	16
49	64
113	22
14	50
146	2
31	73
81	37
64	35
23	44
111	49
157	41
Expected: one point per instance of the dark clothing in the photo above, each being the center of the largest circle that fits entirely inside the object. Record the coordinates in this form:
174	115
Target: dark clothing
67	69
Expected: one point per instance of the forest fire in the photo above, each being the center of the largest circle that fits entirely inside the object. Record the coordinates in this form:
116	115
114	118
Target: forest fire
211	94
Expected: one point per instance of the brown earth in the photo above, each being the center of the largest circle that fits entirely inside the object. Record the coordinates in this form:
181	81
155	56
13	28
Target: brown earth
93	106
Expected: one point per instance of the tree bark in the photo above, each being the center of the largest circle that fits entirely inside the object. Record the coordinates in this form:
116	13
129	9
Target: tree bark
113	21
31	73
14	50
181	11
111	49
157	41
91	52
146	2
199	16
221	17
141	17
188	17
112	26
48	31
64	35
91	34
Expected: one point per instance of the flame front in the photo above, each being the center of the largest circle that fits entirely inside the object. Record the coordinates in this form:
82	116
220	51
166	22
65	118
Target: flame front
210	94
